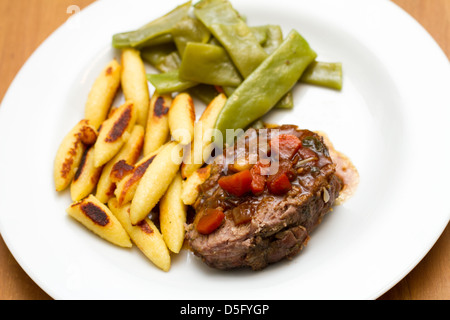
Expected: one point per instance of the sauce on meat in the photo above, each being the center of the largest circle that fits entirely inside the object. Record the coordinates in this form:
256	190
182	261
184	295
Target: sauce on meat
297	175
344	169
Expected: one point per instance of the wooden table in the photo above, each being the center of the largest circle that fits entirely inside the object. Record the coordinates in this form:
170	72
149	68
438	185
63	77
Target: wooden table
24	24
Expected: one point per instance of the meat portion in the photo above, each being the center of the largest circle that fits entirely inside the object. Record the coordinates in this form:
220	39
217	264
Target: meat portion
263	228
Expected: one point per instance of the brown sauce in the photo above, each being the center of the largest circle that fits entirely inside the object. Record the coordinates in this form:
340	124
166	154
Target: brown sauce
344	169
305	169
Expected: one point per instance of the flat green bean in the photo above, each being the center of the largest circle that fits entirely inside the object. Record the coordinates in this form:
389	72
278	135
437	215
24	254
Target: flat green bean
274	38
286	102
260	33
164	57
206	93
276	76
273	41
208	64
121	40
239	40
228	90
324	74
233	33
169	82
145	35
189	30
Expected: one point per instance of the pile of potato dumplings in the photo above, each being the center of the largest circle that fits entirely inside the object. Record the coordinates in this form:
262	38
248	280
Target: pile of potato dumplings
119	163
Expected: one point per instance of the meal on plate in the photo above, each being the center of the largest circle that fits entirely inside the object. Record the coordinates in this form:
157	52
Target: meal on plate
251	215
236	191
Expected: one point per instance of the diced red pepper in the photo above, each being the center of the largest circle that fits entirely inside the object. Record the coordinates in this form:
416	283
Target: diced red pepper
210	221
286	145
280	184
237	184
258	180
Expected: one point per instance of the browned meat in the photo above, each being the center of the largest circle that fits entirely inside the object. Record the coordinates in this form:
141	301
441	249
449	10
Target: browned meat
275	226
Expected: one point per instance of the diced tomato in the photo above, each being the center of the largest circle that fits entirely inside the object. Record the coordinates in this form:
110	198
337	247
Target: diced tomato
280	184
210	221
237	184
219	89
258	180
286	145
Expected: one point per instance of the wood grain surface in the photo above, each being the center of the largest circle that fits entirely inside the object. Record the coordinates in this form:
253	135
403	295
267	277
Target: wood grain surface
25	24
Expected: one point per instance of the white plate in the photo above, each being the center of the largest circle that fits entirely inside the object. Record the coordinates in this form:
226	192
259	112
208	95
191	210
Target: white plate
391	119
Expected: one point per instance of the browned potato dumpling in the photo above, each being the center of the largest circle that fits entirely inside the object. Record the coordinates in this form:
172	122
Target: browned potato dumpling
70	153
134	83
172	215
114	133
97	217
157	131
145	236
102	94
155	181
182	118
203	136
127	156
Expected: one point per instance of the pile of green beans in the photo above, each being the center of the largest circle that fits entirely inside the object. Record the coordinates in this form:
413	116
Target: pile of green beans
209	48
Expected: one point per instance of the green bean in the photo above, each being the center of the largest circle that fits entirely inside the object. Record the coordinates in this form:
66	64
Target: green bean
276	75
274	38
121	40
260	33
169	82
324	74
228	90
206	93
214	42
164	57
286	102
189	30
233	33
208	64
146	35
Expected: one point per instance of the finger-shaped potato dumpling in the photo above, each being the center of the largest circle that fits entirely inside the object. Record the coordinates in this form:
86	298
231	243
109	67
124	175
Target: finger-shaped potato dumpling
190	189
195	157
157	130
114	132
182	118
172	215
145	236
97	217
134	83
117	167
70	152
155	181
102	94
126	187
86	177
